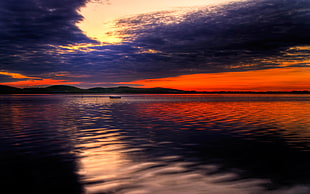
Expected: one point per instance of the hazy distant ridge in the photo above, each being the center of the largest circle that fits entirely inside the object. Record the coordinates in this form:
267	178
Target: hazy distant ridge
63	89
72	89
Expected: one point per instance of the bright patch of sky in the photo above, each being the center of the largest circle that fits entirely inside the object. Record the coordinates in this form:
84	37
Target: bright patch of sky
99	16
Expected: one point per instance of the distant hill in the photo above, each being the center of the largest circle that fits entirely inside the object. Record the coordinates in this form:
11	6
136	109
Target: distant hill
9	90
64	89
71	89
54	89
126	89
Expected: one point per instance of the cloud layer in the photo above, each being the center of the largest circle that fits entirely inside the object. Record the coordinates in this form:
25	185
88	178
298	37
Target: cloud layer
243	36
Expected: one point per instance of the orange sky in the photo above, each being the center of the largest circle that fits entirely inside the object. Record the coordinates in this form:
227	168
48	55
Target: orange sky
32	81
282	79
40	82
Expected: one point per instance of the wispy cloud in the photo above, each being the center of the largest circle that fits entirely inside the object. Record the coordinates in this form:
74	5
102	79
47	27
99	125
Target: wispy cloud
40	82
234	35
20	80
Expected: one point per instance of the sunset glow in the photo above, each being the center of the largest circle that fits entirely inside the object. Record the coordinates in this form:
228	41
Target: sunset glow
14	75
287	79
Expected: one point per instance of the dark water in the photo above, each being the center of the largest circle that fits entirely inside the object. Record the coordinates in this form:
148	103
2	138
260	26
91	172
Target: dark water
165	144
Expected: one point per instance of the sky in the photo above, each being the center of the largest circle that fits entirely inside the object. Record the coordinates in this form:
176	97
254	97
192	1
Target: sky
203	45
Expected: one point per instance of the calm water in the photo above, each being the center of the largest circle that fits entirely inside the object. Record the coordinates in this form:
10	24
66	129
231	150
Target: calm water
155	144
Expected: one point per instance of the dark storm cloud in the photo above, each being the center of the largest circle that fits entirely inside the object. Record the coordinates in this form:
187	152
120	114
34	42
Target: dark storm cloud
40	21
29	29
105	63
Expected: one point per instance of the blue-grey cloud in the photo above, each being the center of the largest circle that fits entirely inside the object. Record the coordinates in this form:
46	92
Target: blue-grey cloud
234	35
29	30
40	21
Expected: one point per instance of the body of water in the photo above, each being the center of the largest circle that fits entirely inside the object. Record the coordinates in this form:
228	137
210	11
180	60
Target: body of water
155	144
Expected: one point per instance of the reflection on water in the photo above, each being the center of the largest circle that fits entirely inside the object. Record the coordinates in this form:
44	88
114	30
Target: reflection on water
145	144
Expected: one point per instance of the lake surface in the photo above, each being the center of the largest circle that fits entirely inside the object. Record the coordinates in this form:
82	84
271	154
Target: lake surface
155	144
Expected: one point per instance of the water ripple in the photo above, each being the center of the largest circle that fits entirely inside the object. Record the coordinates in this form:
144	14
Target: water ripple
156	143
